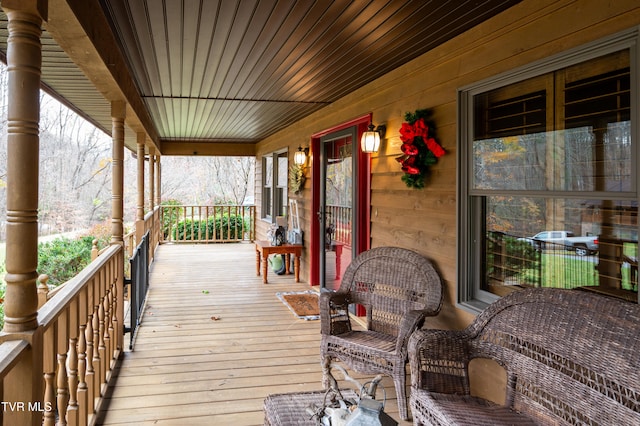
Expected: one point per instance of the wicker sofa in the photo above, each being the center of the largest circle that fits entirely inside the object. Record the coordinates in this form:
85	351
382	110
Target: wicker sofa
571	357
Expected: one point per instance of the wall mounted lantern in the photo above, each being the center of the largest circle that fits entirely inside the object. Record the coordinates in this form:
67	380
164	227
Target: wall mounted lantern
300	156
370	141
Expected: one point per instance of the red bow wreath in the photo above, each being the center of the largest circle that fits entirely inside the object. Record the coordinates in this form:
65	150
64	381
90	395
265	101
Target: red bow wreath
419	148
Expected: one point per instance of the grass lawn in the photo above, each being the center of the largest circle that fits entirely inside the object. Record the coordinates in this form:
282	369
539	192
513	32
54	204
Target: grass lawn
573	271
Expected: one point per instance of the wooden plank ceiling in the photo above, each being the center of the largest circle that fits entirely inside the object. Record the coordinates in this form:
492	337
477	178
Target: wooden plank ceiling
240	70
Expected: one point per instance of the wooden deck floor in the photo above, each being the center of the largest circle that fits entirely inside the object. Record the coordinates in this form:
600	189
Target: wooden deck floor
214	342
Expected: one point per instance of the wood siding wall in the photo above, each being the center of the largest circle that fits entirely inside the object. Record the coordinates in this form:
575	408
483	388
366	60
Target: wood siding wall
425	220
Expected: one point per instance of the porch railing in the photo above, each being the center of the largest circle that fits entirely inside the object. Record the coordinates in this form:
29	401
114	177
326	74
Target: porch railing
207	224
339	220
12	353
139	284
152	226
59	372
129	243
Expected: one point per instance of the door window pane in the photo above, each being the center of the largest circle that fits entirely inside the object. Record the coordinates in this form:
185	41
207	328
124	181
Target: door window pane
338	209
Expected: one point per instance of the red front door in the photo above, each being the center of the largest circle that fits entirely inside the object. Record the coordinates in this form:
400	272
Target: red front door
340	201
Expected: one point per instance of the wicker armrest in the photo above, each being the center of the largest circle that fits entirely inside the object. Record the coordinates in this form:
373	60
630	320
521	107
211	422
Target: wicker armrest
438	360
411	322
334	313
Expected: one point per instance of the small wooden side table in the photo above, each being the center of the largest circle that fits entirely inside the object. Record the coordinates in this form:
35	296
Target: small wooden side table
264	249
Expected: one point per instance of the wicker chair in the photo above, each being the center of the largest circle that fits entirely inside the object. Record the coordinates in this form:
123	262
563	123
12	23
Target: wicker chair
398	288
571	357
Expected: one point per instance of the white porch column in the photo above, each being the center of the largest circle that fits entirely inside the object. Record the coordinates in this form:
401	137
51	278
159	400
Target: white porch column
24	61
140	205
158	181
118	114
152	170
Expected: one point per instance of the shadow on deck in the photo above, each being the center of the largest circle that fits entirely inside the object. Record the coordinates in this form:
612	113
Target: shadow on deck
214	342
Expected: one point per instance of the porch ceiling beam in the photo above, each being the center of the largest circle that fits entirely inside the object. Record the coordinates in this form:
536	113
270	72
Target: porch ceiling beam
80	28
209	148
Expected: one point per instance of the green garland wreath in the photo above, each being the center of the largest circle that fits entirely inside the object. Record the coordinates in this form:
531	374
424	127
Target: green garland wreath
296	178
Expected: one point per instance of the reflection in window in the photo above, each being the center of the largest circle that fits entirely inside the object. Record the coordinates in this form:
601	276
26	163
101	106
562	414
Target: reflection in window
282	184
274	196
267	190
339	189
587	243
564	160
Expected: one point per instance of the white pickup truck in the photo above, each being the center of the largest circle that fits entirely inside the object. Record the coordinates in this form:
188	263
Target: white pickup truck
565	240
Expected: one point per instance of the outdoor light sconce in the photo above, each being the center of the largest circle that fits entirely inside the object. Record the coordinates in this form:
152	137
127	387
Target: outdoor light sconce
370	141
297	169
300	156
